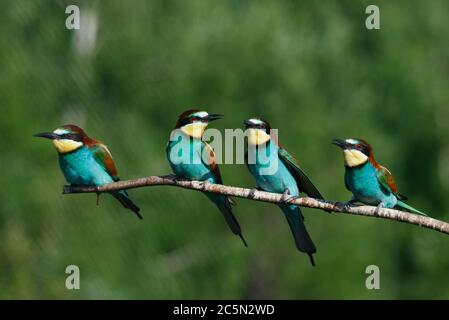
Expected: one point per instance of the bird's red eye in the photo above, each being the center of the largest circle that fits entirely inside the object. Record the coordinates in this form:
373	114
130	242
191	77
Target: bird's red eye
359	147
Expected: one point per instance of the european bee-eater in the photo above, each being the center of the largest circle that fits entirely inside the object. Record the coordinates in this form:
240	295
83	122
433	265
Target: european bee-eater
289	179
369	182
85	161
192	158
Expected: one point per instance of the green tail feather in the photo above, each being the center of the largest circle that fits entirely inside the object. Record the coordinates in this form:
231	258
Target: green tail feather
224	205
302	238
409	208
124	199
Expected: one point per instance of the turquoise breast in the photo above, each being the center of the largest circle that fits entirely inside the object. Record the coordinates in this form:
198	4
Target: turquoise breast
362	182
81	168
280	179
185	158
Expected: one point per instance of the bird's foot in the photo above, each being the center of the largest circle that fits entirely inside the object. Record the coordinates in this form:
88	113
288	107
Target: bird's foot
97	191
345	206
290	199
252	193
202	185
377	211
174	177
287	198
342	206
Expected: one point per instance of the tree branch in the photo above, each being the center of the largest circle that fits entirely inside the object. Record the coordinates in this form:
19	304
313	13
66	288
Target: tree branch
251	194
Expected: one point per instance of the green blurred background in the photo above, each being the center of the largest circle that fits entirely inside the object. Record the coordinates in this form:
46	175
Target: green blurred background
310	67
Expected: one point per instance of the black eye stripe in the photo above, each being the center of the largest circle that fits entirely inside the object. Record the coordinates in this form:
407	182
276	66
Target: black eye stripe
189	120
362	148
71	136
262	127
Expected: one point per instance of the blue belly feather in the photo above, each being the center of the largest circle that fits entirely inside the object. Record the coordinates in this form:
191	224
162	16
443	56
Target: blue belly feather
279	181
190	164
362	182
186	162
81	168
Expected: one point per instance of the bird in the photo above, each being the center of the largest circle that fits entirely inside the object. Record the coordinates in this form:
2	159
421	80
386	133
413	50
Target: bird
85	161
287	179
369	182
198	161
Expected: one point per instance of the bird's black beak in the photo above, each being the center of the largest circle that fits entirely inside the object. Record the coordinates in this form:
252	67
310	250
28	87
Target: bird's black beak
48	135
247	123
340	142
214	116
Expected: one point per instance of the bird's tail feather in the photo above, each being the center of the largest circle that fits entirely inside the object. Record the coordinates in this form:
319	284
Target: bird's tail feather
124	199
224	205
302	238
410	208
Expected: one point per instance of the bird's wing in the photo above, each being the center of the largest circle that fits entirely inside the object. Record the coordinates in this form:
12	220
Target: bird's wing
346	185
304	183
210	161
386	180
245	159
103	156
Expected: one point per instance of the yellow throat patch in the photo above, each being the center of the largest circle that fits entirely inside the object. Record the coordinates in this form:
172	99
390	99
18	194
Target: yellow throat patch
354	158
257	137
194	130
66	145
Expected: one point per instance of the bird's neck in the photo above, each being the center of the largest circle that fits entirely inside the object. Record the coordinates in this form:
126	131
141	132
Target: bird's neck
179	135
263	155
258	137
194	130
83	149
360	176
358	167
65	146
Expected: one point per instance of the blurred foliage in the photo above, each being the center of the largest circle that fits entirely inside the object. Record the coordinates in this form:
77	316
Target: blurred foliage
310	67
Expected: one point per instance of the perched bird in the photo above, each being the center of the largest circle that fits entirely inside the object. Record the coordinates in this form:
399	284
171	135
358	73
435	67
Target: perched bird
369	182
85	161
193	159
288	179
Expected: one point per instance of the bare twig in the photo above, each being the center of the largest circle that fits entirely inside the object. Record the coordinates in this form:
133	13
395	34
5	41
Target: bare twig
252	194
